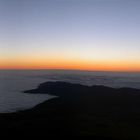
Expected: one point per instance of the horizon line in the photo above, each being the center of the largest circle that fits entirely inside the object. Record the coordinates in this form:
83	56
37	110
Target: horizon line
125	71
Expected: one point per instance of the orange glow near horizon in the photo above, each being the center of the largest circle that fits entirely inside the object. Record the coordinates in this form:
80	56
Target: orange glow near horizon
72	65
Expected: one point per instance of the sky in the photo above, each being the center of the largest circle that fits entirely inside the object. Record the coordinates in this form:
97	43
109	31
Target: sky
70	34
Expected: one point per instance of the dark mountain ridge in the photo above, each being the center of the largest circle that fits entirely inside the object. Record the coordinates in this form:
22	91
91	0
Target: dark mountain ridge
98	111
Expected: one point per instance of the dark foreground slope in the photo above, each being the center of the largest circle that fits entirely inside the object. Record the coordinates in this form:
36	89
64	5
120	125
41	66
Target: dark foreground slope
98	111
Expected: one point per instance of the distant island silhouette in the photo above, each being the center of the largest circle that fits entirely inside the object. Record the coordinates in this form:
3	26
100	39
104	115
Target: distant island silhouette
78	110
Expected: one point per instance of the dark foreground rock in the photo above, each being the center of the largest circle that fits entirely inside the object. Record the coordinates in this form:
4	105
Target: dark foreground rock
97	111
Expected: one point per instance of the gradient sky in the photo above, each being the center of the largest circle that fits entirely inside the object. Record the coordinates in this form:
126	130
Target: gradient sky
70	34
